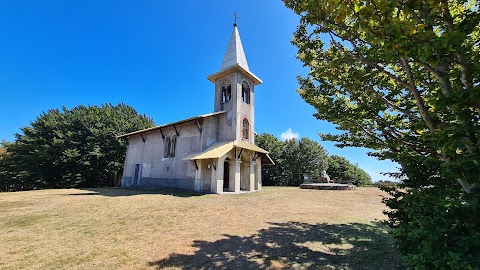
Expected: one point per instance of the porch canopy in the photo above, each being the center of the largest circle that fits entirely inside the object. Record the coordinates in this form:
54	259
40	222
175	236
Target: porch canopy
219	149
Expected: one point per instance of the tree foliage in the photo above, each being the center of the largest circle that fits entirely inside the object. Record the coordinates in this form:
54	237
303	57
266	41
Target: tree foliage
70	148
3	150
339	168
402	78
272	175
294	158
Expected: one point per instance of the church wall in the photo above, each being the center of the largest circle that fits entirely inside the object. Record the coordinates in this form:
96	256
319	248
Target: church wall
217	129
206	176
226	123
245	110
209	132
134	155
230	128
226	127
158	171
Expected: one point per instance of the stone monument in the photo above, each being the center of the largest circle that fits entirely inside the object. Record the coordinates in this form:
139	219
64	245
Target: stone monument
325	178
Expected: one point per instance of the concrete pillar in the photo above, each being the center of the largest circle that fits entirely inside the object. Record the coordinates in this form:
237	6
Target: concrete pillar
237	176
213	177
231	185
251	186
219	177
198	177
259	174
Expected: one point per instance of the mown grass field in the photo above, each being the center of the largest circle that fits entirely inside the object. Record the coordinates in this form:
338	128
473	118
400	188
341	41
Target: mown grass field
278	228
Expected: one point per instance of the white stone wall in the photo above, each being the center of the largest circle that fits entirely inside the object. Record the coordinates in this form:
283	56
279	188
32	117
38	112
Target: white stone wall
151	152
235	110
245	110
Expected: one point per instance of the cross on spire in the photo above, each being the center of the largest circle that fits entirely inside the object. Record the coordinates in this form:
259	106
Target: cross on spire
236	17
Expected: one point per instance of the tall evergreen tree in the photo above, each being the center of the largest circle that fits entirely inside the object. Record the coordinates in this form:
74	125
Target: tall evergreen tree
296	158
339	168
71	148
271	175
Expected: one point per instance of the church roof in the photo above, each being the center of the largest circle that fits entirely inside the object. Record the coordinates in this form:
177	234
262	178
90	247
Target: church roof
234	54
235	59
171	124
219	149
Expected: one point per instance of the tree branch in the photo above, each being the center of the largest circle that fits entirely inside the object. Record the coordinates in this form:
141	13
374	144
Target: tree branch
410	85
418	98
391	104
366	131
441	76
462	60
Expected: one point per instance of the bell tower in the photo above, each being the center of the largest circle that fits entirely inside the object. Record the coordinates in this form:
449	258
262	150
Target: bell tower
234	91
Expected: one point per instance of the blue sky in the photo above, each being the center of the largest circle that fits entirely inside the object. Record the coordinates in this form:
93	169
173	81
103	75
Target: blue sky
155	56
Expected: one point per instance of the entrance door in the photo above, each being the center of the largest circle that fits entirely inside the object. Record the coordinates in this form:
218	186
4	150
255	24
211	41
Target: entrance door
226	175
136	174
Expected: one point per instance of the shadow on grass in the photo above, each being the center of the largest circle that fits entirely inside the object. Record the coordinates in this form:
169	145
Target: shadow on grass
120	192
295	245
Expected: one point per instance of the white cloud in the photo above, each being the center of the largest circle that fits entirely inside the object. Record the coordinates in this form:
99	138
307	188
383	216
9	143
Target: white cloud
288	135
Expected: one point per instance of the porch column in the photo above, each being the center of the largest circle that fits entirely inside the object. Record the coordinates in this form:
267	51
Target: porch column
213	176
251	186
259	174
237	176
231	177
219	178
198	176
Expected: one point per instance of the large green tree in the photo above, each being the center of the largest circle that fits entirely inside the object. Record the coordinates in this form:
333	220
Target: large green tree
339	168
303	157
272	175
402	78
70	148
295	158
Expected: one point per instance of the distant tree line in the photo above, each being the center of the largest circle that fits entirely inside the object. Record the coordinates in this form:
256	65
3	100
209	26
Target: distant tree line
70	148
387	183
295	158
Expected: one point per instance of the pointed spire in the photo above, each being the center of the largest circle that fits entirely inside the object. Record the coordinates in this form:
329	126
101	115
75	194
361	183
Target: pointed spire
234	59
234	54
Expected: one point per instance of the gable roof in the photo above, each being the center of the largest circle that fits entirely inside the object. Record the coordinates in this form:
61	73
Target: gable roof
219	149
171	124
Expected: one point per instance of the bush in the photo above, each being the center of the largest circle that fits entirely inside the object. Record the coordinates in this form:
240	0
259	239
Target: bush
436	226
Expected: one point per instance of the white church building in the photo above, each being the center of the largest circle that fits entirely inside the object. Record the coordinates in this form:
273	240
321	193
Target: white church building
211	153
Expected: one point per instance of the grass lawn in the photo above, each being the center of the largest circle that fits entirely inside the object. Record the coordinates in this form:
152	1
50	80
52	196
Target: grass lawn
278	228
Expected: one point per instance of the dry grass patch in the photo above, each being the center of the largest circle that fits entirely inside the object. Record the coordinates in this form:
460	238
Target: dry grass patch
140	229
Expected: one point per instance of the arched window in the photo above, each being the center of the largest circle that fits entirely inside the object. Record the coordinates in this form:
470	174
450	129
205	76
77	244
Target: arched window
166	147
245	127
226	92
245	92
173	146
170	147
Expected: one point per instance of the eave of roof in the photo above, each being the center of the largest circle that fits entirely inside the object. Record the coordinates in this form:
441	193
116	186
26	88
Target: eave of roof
171	124
233	68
